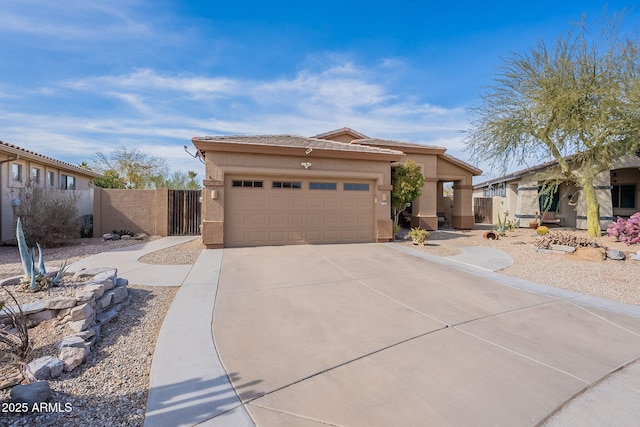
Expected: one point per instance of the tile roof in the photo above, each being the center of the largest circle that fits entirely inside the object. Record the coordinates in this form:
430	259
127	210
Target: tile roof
296	141
393	143
324	135
14	149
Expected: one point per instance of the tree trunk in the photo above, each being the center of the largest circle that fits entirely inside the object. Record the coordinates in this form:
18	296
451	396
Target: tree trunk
593	207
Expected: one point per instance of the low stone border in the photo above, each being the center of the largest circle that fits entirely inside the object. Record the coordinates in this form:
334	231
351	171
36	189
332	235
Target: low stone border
93	305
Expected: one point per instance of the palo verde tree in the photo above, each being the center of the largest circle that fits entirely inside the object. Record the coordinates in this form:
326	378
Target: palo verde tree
576	101
407	181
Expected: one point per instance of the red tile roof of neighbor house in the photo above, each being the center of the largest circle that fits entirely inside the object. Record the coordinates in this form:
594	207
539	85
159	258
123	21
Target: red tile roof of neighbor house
32	155
296	141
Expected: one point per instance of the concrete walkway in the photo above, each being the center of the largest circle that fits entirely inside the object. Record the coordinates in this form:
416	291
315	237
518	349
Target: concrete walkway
380	335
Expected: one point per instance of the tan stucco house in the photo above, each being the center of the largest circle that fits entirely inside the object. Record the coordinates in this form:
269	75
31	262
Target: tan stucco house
329	188
618	191
19	166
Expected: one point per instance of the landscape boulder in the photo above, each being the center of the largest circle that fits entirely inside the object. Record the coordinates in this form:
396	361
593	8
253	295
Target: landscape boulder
616	254
31	393
590	254
46	367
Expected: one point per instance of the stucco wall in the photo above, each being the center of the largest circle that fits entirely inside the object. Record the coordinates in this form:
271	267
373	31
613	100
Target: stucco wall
135	210
10	190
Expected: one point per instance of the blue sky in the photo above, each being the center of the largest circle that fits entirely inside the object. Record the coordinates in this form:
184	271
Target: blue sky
79	77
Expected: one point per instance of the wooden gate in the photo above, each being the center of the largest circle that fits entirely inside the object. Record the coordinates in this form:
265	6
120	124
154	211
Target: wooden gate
482	210
185	212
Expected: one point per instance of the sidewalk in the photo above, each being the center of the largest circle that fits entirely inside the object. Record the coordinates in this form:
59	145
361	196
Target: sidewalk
188	385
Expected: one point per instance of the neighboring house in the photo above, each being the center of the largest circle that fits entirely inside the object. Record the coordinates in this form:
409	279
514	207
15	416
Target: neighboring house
19	166
330	188
617	191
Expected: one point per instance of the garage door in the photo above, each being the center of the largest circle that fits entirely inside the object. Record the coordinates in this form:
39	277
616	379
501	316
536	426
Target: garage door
283	211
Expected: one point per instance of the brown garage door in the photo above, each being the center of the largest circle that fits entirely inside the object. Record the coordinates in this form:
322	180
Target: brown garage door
283	211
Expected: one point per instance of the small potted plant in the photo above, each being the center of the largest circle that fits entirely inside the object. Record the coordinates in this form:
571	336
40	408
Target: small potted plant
535	223
418	235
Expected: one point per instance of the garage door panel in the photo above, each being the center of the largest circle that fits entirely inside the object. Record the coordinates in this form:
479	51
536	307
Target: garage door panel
295	219
278	216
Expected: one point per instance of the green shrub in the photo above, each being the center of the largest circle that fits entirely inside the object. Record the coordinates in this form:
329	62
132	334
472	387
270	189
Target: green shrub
418	235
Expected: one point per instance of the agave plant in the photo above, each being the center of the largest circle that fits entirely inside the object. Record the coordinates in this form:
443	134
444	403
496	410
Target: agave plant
35	276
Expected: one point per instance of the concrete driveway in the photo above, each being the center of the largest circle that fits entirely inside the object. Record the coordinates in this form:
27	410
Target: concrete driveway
371	335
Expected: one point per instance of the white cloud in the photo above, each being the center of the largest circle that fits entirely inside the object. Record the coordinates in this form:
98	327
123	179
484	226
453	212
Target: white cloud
164	111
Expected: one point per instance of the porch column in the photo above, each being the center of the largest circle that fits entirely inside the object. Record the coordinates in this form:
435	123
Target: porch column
424	207
462	206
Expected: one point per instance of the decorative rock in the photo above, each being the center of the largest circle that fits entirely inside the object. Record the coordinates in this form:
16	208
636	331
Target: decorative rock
110	274
126	237
121	282
72	357
563	248
616	254
119	295
85	335
11	281
11	378
104	301
107	236
551	251
41	316
46	367
590	254
90	292
115	237
97	329
140	236
31	393
59	303
91	271
81	312
82	325
106	317
635	257
72	341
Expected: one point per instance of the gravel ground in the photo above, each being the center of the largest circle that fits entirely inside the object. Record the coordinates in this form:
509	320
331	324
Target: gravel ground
110	388
613	280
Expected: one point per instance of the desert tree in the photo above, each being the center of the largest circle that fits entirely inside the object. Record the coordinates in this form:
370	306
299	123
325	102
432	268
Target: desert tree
576	102
407	181
130	168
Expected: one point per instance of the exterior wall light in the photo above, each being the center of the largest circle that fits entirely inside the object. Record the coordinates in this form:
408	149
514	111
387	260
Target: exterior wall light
305	165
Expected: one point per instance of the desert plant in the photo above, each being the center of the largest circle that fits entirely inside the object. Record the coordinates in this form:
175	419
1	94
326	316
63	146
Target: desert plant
14	339
35	278
418	235
626	230
48	215
542	230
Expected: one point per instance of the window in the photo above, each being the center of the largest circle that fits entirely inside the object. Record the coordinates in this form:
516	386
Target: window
67	182
51	179
16	172
35	175
250	184
287	184
624	196
322	186
356	187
